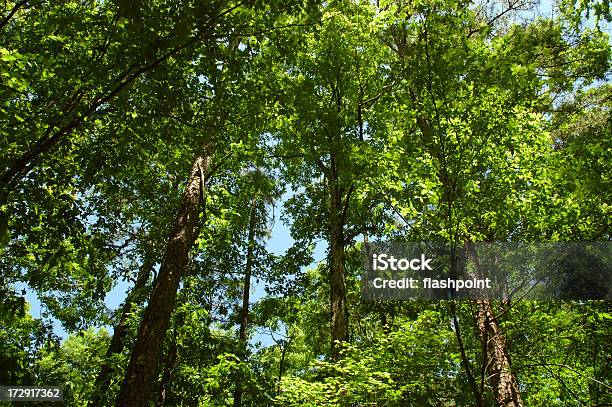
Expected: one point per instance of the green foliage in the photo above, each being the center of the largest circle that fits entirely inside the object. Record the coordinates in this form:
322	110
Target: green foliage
405	366
21	340
430	120
74	365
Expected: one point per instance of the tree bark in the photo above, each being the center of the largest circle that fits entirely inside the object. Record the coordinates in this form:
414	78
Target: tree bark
244	312
339	311
503	380
142	369
117	342
497	363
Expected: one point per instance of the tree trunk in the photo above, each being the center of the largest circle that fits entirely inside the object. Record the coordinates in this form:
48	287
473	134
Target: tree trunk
244	312
142	369
497	361
503	380
117	342
339	312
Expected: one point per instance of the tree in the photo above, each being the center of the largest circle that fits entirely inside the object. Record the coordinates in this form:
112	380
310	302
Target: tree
145	146
333	79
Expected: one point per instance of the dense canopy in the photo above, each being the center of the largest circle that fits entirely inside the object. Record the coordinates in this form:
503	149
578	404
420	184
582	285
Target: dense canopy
215	168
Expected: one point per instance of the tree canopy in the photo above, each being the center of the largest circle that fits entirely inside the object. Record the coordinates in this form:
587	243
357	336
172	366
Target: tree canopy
160	147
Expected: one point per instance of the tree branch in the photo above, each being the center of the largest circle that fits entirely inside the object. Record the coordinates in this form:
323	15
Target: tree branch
10	15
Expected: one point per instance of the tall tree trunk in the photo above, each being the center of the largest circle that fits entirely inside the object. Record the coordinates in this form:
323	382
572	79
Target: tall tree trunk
142	369
248	270
503	380
497	360
244	312
339	311
117	342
